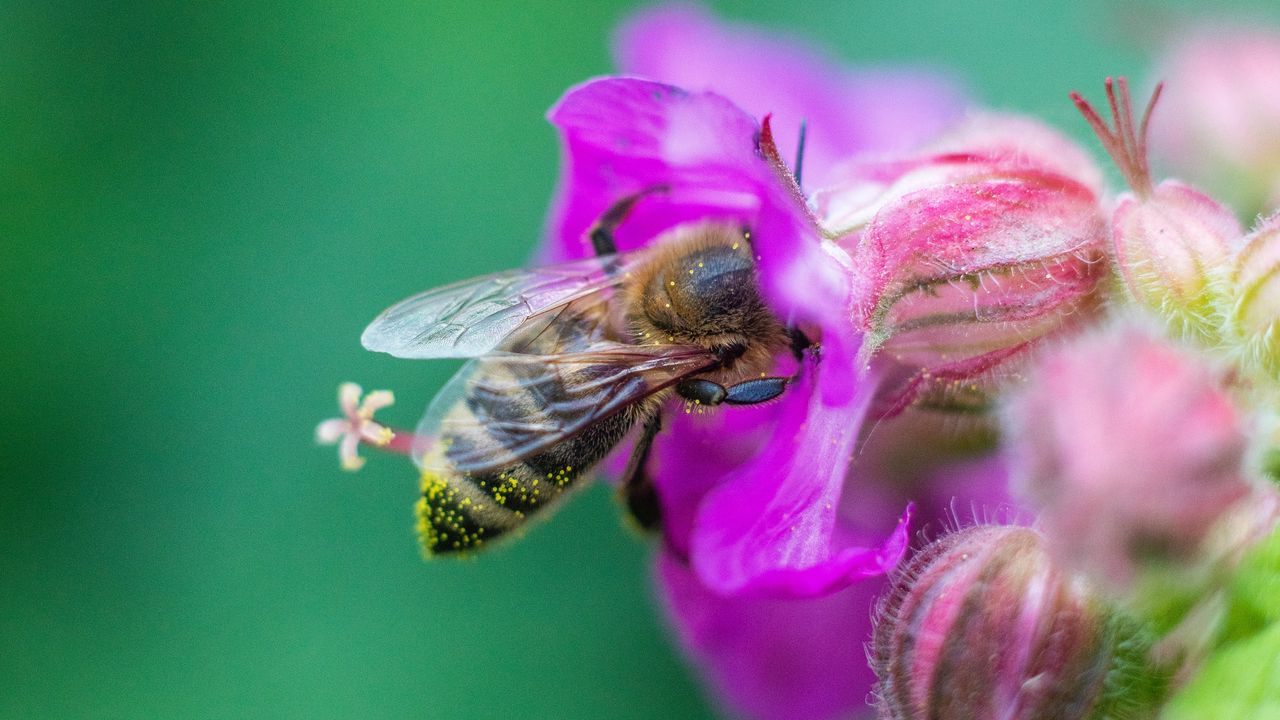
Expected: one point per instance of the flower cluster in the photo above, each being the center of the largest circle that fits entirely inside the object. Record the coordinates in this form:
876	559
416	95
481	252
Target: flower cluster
950	271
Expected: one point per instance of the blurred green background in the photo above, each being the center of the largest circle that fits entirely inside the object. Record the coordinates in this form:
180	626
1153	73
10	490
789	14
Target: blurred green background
202	205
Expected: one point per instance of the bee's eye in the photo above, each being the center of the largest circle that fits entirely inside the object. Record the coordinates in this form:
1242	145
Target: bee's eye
729	352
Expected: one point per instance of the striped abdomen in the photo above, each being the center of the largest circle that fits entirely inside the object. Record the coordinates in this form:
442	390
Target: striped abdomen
463	507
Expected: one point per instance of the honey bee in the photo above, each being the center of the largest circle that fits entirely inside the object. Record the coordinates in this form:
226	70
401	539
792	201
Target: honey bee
567	359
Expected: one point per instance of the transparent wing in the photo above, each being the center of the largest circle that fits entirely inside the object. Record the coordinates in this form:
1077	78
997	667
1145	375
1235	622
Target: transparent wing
505	407
473	317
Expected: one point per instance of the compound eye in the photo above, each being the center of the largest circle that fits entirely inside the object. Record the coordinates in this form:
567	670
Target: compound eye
729	353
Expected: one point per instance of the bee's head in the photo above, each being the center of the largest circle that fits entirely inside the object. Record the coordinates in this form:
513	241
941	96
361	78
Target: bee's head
702	290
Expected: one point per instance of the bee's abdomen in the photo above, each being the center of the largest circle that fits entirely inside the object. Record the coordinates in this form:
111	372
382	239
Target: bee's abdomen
463	511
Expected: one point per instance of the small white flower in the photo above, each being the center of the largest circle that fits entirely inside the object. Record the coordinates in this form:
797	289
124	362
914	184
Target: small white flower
356	425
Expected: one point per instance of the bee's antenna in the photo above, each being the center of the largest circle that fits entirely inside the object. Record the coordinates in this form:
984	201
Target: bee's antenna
804	127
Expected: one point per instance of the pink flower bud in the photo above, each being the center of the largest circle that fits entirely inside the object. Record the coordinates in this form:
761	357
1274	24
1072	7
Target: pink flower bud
1222	109
1171	242
969	257
1254	312
981	625
1172	249
1131	450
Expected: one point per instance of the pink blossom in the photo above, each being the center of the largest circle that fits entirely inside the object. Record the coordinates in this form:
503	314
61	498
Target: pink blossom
356	424
971	251
1131	448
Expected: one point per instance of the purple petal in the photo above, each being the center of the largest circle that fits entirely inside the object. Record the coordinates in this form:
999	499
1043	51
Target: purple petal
696	452
770	527
623	135
847	112
775	659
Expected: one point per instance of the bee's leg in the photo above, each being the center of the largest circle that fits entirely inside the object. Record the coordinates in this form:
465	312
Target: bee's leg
637	488
750	392
601	234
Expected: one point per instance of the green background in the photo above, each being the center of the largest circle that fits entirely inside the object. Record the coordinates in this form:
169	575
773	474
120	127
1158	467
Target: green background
200	208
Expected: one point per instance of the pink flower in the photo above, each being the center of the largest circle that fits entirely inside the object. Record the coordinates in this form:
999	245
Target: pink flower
356	425
1222	108
953	260
769	527
755	538
1130	447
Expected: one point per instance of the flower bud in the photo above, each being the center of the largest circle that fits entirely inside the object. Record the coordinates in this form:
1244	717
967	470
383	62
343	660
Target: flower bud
1130	449
981	625
972	255
1171	243
1254	302
1172	248
1222	111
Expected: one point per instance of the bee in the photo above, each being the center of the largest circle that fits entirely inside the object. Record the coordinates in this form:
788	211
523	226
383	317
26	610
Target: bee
567	360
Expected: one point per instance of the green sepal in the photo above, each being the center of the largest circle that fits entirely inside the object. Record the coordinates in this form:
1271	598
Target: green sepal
1239	681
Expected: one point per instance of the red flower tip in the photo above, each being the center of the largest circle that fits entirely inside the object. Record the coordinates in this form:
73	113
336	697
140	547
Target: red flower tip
1126	144
769	150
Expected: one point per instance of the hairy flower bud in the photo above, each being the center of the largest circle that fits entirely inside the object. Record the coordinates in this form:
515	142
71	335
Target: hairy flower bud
1130	449
1171	242
981	625
1172	248
1222	111
971	255
1254	303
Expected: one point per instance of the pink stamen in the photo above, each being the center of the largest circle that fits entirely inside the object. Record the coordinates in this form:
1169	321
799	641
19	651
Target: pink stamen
402	443
1126	144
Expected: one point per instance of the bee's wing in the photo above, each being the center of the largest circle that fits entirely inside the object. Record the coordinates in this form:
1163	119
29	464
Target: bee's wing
505	407
472	317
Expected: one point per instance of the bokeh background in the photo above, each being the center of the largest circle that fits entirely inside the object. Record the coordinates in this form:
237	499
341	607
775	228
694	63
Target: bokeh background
201	205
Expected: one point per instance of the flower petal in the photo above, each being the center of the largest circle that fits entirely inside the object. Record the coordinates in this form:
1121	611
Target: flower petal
770	527
349	398
328	431
375	401
623	135
775	659
348	452
847	112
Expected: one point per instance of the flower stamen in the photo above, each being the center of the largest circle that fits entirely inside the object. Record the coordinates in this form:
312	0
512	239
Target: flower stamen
356	426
